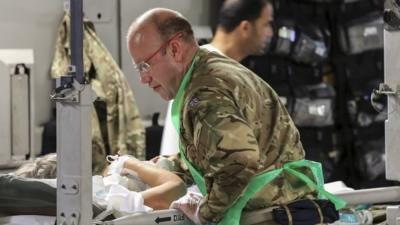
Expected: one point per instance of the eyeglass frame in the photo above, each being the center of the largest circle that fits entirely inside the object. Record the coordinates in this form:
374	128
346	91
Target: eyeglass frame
144	66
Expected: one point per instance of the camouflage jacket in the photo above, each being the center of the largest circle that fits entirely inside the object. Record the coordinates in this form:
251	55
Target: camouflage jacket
233	126
124	128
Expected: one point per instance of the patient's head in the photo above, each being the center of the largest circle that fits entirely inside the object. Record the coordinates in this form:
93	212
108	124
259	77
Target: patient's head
41	167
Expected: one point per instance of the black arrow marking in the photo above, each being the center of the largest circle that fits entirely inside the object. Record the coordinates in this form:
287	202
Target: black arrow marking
162	219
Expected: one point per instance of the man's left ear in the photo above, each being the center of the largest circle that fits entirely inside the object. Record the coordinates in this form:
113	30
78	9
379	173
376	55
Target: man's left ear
176	50
245	27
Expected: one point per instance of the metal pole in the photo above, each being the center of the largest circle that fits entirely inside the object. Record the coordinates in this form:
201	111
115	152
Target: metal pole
371	196
77	39
392	90
74	104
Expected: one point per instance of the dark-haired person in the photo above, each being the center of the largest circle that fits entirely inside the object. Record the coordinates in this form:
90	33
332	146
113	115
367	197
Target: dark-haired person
244	28
236	137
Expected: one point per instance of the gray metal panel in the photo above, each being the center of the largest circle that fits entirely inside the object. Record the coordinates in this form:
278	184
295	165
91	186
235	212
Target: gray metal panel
5	122
29	26
197	13
104	15
20	115
392	125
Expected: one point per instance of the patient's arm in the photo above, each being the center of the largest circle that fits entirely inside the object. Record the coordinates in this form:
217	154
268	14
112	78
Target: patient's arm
165	186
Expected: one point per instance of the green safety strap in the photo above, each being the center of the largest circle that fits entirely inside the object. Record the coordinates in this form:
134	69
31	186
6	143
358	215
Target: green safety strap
233	214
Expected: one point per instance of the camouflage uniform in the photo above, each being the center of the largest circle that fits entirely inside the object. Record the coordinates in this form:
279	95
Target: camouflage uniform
233	126
124	128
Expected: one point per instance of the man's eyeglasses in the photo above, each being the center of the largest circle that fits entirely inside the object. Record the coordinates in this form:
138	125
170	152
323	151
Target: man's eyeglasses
144	66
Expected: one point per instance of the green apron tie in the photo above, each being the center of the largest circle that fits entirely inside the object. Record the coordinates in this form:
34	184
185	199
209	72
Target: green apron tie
175	115
256	183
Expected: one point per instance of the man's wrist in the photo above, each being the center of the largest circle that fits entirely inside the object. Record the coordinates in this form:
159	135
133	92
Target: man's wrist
202	220
205	214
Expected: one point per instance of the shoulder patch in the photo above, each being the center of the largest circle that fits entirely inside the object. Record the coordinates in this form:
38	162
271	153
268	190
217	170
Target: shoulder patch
194	101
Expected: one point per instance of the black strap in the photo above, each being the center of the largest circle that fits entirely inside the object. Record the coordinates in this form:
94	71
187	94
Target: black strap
21	69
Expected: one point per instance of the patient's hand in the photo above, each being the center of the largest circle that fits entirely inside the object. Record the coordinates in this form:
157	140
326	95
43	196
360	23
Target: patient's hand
155	159
105	171
117	163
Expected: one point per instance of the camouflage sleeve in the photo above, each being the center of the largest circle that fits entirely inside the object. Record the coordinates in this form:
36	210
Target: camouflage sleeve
98	148
227	147
135	131
180	169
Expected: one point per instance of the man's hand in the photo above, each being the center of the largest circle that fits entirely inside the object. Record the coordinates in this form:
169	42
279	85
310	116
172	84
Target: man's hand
189	205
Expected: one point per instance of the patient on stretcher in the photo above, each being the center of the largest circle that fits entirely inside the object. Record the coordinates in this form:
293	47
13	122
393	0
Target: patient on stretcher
152	181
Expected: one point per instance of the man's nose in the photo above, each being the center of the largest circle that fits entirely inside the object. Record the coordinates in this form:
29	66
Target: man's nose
145	78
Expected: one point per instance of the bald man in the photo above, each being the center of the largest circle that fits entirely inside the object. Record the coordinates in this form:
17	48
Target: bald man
244	28
236	137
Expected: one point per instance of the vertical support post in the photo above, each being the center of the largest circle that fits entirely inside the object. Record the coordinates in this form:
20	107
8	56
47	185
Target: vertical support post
74	149
392	79
392	124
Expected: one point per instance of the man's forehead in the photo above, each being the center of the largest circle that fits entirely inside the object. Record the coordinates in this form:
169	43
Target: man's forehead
137	44
137	38
270	10
267	12
143	42
145	34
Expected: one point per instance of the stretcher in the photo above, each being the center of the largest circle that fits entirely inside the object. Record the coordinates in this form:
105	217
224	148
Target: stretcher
21	196
159	217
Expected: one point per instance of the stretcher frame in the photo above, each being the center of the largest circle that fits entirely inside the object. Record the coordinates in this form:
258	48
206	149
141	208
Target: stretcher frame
74	135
